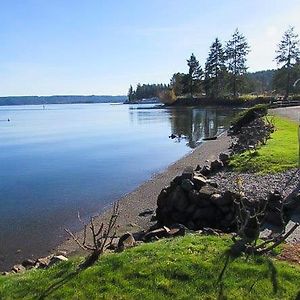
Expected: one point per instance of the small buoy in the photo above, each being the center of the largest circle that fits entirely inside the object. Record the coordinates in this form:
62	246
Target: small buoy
8	120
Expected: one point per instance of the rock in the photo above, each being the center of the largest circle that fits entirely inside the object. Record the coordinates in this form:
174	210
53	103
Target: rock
177	230
191	209
156	234
178	200
153	218
179	217
224	209
112	246
206	192
216	165
197	200
28	263
224	158
61	252
198	168
205	213
198	214
293	203
191	225
176	181
205	170
187	185
211	231
274	217
228	198
199	181
43	262
216	199
146	212
56	259
18	269
188	173
275	198
213	184
162	198
126	241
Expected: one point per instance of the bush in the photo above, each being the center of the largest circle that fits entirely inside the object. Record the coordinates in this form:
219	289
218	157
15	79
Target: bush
167	96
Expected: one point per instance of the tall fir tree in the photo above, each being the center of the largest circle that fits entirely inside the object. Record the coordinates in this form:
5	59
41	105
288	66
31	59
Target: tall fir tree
215	69
288	54
130	93
195	74
236	52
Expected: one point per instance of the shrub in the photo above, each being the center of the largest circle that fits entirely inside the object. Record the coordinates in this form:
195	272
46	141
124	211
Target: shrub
167	96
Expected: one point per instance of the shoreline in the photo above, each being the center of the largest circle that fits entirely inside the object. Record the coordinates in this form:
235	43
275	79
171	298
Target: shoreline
145	195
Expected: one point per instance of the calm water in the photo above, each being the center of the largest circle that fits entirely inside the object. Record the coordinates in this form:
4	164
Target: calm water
80	157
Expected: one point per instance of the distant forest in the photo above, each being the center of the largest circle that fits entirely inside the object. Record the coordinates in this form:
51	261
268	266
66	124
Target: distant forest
42	100
255	82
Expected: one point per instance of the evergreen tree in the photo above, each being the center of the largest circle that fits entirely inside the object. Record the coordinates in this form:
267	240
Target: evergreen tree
215	69
236	51
288	54
195	73
130	93
180	83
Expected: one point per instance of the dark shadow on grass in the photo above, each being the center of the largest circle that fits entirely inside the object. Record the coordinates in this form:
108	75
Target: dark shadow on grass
235	251
53	287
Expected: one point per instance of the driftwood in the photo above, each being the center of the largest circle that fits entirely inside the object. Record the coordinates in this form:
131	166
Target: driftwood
102	237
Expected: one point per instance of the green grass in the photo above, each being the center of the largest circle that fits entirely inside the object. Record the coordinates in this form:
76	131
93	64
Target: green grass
181	268
279	154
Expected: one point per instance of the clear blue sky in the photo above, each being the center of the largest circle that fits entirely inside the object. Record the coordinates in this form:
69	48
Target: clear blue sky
51	47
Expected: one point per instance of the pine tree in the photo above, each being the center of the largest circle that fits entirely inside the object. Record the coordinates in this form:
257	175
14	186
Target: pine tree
236	51
288	54
130	93
215	69
195	73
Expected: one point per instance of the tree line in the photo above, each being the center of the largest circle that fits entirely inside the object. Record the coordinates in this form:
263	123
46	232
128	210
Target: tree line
146	91
225	72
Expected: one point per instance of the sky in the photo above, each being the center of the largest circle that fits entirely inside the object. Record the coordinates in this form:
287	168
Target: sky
100	47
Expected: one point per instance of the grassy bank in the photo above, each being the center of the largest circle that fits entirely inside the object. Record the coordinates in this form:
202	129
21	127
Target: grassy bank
279	154
182	268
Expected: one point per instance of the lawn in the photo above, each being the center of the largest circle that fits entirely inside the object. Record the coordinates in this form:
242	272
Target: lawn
279	154
181	268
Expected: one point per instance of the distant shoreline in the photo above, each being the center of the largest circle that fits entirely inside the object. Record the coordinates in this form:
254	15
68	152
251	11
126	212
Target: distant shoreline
66	99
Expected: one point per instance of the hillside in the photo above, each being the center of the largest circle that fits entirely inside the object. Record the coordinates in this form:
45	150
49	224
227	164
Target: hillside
40	100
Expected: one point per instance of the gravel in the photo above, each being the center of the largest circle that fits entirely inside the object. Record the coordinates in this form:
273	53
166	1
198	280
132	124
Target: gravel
259	186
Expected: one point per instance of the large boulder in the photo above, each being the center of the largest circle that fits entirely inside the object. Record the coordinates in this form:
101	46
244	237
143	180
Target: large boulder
196	199
178	199
156	234
216	165
224	158
126	241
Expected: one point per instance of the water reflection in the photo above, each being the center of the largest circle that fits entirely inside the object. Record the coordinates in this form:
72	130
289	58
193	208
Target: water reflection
186	123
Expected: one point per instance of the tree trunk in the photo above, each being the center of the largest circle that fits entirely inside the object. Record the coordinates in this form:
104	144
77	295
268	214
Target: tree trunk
191	87
234	86
287	90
